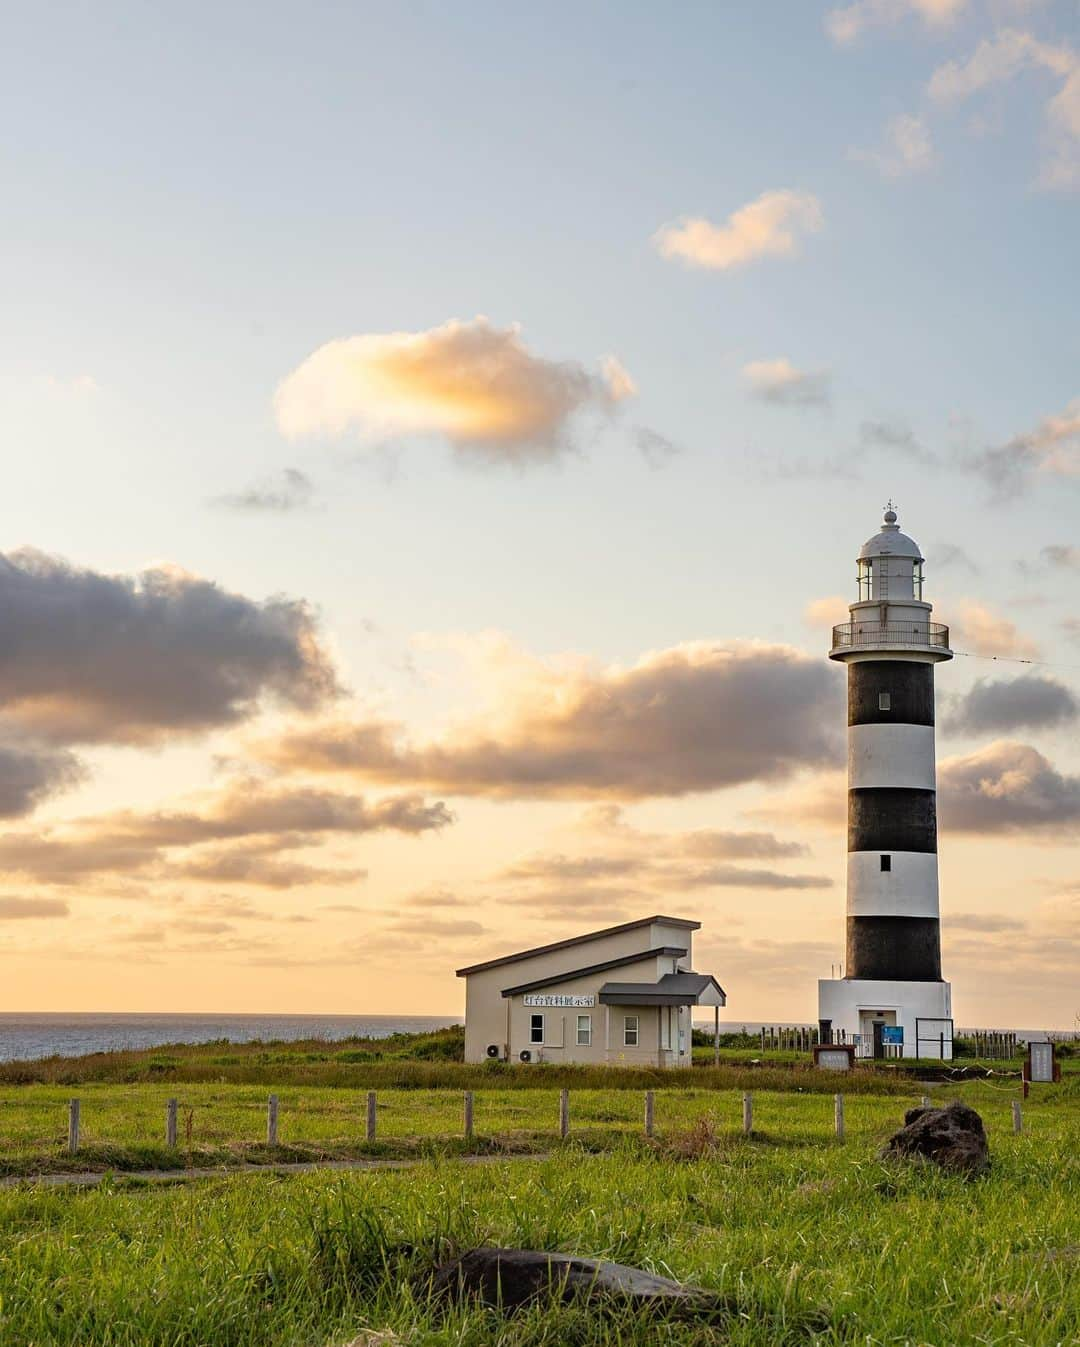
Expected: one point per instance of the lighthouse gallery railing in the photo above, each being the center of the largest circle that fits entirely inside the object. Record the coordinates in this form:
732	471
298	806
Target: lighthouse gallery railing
933	635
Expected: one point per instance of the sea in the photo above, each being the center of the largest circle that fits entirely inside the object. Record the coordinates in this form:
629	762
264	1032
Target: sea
25	1036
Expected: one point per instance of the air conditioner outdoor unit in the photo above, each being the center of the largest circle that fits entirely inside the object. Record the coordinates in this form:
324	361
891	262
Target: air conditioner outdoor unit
494	1051
524	1055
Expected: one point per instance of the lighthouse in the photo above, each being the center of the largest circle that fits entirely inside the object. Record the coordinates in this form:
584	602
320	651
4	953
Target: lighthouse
891	999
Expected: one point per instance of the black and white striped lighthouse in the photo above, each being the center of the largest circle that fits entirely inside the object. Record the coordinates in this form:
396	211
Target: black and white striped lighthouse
891	999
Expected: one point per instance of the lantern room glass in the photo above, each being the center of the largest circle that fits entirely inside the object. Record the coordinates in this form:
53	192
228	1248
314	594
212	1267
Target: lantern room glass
866	580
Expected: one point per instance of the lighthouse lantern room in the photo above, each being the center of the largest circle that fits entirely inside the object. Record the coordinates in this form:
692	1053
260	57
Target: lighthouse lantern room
892	1000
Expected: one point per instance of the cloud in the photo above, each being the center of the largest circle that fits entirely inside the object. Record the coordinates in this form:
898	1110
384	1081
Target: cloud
1071	627
24	909
129	842
30	773
974	625
848	22
695	717
1052	449
1032	701
1001	58
781	383
908	149
610	821
945	556
895	438
986	922
1061	556
94	658
292	491
433	928
477	386
769	226
1008	787
656	449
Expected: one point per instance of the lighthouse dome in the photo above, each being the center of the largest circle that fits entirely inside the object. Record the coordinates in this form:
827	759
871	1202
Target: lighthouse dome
890	542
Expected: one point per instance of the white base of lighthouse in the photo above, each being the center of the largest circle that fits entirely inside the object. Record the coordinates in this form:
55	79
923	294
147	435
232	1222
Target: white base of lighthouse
922	1009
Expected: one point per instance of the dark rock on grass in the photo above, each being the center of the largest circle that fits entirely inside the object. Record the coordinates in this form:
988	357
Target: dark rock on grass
952	1137
509	1278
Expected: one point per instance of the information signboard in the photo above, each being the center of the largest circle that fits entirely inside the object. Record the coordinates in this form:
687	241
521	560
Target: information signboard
1042	1061
892	1033
555	999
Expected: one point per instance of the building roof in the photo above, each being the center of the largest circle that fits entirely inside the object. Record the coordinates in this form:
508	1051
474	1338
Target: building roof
673	989
890	542
680	922
553	979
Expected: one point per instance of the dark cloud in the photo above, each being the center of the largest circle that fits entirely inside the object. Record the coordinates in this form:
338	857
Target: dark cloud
291	491
656	449
23	909
1032	701
30	773
692	718
947	556
129	842
1051	449
896	438
94	658
1062	556
1008	787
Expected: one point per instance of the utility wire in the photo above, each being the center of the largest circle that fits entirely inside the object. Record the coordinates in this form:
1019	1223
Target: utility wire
1013	659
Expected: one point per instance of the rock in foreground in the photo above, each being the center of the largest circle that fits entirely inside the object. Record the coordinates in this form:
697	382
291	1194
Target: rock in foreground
508	1278
953	1137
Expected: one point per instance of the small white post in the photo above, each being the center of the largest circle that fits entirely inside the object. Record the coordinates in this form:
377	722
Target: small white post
650	1113
170	1123
468	1115
564	1113
1018	1123
926	1101
748	1113
371	1106
839	1112
271	1120
73	1125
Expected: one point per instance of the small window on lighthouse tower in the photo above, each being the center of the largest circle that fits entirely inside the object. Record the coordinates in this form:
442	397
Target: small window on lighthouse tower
886	862
884	701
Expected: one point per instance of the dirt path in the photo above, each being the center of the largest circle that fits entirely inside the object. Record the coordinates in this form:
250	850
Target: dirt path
90	1178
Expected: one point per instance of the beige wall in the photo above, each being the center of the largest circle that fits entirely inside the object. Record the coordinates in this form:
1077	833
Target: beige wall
492	1018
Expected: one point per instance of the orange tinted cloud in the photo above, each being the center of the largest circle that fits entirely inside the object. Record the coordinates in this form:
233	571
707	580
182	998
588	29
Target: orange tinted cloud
476	385
769	226
694	717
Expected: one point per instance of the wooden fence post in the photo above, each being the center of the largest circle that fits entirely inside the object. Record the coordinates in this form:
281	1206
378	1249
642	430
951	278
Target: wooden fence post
468	1115
371	1106
839	1117
170	1123
564	1113
748	1113
73	1125
650	1113
271	1120
1017	1120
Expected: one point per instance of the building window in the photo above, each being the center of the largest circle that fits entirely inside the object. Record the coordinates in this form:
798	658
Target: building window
536	1028
630	1031
584	1031
884	701
886	863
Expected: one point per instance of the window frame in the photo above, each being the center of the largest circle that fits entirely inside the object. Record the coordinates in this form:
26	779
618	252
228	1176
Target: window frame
628	1029
534	1027
884	701
886	863
585	1042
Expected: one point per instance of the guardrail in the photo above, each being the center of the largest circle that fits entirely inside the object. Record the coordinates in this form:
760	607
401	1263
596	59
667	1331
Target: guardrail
922	635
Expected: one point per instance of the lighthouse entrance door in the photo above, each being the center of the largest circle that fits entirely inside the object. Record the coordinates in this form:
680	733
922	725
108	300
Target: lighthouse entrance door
870	1044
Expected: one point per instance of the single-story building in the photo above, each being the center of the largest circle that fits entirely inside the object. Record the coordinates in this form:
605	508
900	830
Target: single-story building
620	996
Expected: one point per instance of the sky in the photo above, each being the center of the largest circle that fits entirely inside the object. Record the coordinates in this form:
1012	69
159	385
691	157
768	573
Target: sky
437	441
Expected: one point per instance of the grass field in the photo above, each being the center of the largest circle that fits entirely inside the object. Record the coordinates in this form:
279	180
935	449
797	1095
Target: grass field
818	1242
123	1127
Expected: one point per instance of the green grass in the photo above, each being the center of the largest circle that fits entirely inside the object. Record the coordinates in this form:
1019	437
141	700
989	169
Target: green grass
123	1126
818	1242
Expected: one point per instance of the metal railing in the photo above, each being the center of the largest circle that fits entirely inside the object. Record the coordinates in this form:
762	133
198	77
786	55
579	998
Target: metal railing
927	635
